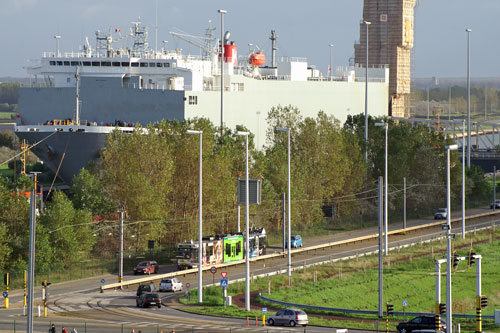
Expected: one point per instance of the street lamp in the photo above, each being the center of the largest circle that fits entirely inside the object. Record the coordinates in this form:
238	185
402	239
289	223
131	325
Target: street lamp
57	37
463	175
386	224
247	222
448	239
222	12
366	23
468	96
331	60
289	265
200	223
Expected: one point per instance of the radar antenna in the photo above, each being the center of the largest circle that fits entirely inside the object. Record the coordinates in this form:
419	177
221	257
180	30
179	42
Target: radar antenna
203	43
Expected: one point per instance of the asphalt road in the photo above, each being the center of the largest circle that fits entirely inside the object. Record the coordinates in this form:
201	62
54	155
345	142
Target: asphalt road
79	303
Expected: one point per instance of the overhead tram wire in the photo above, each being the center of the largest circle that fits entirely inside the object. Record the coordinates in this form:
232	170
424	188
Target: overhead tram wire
22	152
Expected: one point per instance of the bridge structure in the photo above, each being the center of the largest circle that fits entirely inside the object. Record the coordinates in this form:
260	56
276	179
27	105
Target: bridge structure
485	138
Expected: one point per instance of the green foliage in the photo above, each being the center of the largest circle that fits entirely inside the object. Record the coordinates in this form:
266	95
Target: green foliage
6	139
9	92
88	193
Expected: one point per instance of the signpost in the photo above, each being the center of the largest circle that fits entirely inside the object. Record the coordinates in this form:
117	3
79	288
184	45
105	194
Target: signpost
264	311
103	281
405	303
224	274
188	297
213	270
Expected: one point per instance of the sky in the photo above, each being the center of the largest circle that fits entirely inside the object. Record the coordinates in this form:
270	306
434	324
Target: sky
305	29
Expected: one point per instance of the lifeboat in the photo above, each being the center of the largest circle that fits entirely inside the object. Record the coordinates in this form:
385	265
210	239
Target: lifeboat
257	59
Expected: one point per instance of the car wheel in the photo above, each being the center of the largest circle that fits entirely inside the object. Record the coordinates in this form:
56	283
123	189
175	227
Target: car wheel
271	322
137	303
159	306
292	323
135	273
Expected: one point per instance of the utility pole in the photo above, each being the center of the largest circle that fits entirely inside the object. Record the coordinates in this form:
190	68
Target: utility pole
120	273
380	247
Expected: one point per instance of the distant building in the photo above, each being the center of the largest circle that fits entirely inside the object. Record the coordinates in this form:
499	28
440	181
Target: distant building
390	39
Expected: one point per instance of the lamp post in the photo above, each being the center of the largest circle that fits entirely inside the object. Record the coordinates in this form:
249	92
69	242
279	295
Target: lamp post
468	31
448	240
222	12
200	223
57	37
386	224
463	175
366	23
331	60
247	222
289	264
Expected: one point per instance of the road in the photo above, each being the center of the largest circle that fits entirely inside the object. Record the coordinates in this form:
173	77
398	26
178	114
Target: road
79	303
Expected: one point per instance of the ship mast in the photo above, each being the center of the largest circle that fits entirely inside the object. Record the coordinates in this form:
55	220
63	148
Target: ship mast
77	77
273	39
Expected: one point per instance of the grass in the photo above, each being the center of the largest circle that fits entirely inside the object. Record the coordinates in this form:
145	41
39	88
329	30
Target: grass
408	275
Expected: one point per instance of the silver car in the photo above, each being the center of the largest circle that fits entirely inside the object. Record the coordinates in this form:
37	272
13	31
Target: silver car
291	317
170	284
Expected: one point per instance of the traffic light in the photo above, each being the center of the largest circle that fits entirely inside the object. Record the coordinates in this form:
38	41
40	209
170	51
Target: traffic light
484	302
471	258
390	309
45	283
6	279
455	260
442	308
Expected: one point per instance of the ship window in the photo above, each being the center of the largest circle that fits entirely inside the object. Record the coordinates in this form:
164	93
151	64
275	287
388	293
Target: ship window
96	64
106	63
159	64
59	63
144	64
52	63
167	64
152	64
66	63
193	100
68	80
115	64
75	63
125	64
86	63
135	64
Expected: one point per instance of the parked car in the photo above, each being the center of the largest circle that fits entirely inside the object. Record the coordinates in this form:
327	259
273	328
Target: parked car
495	204
441	214
148	299
170	284
146	267
419	324
145	288
289	317
296	241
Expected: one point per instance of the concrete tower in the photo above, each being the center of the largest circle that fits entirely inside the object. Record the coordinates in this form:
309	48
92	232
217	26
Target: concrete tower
390	40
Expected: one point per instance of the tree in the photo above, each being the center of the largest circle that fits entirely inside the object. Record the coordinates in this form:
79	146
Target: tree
88	193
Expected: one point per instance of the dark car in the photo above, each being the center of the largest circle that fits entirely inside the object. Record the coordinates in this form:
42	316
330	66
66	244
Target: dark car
495	204
145	288
146	267
419	324
148	299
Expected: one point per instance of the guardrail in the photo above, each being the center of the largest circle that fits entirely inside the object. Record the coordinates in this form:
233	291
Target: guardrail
372	312
151	278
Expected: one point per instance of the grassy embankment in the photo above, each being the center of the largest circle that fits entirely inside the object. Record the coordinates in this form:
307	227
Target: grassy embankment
408	275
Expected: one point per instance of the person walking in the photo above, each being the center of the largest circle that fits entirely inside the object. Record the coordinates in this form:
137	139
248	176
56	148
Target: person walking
74	330
52	329
64	330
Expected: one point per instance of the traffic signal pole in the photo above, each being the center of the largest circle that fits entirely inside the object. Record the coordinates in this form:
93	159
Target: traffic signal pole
479	325
438	293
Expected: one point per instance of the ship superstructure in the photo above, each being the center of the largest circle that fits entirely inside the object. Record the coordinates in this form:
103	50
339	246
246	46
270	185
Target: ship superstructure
138	85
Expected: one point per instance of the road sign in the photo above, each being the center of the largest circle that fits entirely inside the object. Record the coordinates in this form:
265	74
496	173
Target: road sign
213	270
5	294
224	274
103	281
405	303
223	282
188	285
264	310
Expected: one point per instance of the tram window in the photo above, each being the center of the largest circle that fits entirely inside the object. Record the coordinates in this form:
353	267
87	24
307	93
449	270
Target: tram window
238	248
228	249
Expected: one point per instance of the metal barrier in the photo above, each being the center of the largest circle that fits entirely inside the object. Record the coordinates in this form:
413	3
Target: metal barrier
151	278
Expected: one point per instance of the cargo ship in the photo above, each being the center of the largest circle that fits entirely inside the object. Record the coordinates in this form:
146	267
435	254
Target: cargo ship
118	87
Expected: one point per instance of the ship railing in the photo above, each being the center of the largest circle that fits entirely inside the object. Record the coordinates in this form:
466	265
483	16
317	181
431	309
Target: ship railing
327	78
66	122
293	59
277	77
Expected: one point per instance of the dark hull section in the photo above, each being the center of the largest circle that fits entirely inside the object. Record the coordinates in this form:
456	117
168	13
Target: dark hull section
67	151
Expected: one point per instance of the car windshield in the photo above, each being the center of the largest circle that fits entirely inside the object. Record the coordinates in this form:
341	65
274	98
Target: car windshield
442	210
151	296
142	264
300	312
293	237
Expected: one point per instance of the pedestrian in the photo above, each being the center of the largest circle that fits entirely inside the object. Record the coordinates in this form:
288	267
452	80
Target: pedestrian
64	330
74	330
133	331
52	329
